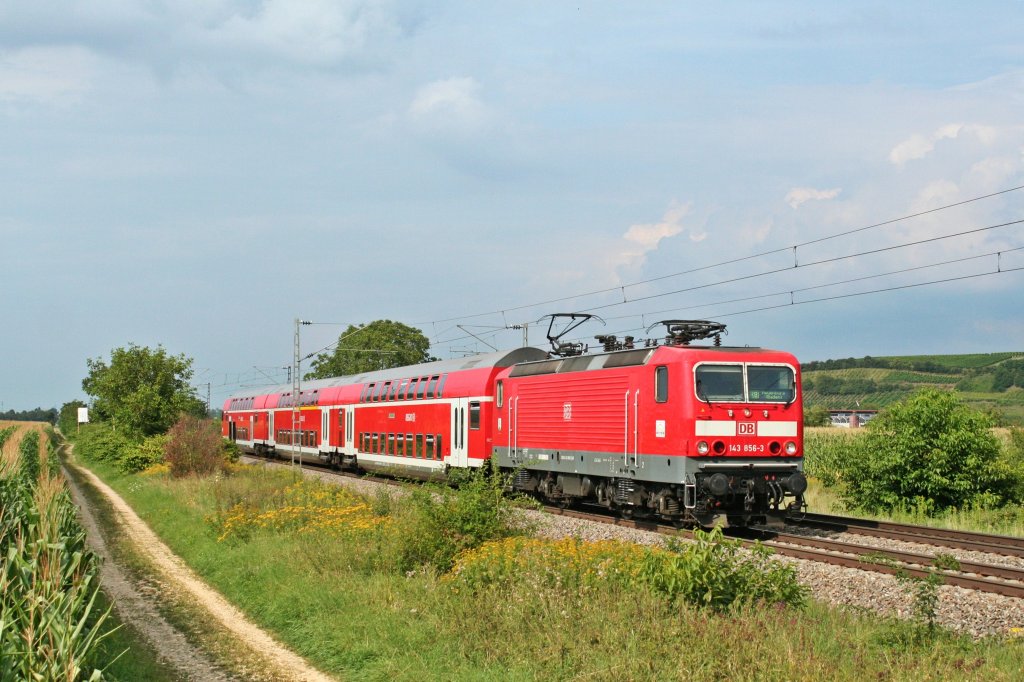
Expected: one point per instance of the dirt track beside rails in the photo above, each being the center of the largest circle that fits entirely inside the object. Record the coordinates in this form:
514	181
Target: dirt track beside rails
275	661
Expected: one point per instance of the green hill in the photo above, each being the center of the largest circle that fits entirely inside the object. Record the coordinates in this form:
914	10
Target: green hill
989	381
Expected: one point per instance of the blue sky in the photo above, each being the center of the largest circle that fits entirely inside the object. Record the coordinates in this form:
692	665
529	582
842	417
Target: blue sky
199	174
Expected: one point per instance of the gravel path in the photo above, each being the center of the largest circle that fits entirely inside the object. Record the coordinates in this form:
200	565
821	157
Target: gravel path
133	602
276	661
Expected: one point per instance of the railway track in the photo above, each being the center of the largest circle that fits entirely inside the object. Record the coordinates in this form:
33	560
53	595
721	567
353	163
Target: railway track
980	576
1004	545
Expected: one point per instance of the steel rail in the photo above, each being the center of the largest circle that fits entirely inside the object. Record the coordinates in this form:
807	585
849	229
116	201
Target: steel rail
1004	545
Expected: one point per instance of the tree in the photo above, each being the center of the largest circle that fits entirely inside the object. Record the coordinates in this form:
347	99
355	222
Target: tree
381	344
142	390
818	415
930	452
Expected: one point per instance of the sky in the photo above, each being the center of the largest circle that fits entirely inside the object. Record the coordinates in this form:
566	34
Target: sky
197	175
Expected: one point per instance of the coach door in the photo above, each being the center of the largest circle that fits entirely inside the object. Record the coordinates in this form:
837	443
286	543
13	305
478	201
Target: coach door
459	455
325	429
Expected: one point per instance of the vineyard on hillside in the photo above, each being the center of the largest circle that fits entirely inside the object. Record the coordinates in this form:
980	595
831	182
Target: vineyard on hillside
987	381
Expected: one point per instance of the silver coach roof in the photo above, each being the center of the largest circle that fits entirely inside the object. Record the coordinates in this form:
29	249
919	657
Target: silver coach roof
499	359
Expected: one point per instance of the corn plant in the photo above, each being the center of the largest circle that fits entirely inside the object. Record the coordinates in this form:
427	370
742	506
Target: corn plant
49	580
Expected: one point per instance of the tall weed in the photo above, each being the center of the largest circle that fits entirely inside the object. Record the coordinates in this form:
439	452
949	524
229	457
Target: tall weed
710	572
194	447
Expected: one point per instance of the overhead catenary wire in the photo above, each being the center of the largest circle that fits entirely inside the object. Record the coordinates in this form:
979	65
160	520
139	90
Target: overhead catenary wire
799	266
730	261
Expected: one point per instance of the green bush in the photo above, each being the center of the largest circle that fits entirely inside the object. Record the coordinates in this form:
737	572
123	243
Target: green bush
100	442
436	523
715	572
930	453
141	456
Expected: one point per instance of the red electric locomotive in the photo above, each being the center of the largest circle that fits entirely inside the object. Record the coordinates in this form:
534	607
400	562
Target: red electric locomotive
688	433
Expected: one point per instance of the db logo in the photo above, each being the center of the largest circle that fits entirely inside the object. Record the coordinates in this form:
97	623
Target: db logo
567	412
747	428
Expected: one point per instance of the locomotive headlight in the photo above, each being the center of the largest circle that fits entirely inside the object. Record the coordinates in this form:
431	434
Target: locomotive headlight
790	447
702	447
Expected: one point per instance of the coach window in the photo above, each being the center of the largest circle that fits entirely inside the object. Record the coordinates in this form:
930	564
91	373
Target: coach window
402	388
421	387
438	450
661	384
418	447
428	452
440	387
432	386
412	389
474	416
394	391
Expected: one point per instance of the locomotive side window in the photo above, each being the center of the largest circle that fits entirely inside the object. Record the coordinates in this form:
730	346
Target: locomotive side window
500	393
720	383
770	384
661	384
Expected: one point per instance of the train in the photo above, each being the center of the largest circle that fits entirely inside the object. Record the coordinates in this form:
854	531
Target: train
668	429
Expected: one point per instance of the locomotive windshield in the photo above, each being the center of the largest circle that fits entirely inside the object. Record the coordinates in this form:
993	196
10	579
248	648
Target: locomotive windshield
745	383
720	383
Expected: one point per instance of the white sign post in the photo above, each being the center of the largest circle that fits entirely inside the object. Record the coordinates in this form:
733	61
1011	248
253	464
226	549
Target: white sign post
83	417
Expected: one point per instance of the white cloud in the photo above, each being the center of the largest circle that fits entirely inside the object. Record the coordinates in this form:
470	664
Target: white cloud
452	102
215	34
918	146
642	238
800	195
315	32
50	75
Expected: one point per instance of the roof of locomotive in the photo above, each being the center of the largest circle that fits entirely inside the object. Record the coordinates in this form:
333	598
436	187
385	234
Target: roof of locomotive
617	358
